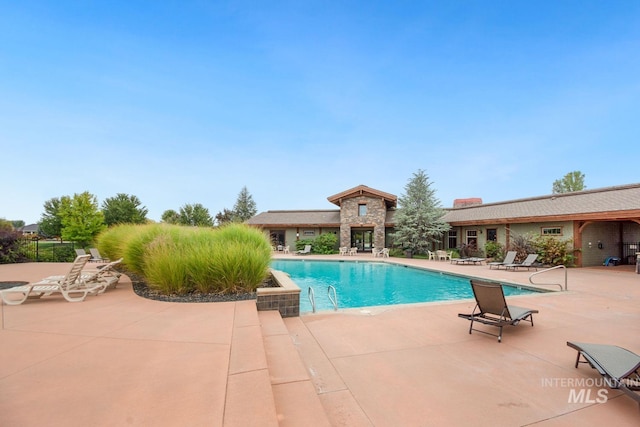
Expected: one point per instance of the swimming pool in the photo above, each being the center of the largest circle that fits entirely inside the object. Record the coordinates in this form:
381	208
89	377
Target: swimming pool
365	284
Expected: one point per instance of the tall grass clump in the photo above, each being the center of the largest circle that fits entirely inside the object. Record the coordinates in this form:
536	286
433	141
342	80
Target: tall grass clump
112	242
136	248
178	260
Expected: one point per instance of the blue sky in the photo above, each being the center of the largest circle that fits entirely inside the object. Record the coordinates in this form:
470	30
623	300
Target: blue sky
182	102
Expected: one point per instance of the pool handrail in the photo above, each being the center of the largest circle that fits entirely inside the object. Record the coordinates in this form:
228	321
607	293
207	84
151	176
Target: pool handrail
312	299
334	299
550	284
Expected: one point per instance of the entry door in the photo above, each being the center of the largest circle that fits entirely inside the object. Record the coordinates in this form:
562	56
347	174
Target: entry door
362	239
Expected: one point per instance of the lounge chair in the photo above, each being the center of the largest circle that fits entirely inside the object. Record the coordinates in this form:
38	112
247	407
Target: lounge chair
80	252
509	258
528	263
492	308
619	367
68	286
95	256
104	276
470	260
306	250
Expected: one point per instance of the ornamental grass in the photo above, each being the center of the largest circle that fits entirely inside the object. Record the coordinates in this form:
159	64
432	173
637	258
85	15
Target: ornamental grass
179	260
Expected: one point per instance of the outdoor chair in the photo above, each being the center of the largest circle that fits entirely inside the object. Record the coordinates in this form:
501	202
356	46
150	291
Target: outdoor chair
509	258
618	366
528	263
96	257
306	250
80	252
68	286
492	309
104	276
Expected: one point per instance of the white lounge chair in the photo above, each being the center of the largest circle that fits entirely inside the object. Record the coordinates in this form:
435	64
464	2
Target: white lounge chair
104	276
306	250
68	286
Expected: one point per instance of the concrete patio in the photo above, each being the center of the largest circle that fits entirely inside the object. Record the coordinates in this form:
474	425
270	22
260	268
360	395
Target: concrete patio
118	359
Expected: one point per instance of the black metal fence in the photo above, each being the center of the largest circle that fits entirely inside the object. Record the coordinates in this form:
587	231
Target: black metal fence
629	252
47	250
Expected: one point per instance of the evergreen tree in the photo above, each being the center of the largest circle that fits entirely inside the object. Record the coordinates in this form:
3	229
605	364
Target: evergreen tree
123	209
573	181
418	219
245	207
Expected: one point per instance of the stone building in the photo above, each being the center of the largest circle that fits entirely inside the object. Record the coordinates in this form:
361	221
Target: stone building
600	223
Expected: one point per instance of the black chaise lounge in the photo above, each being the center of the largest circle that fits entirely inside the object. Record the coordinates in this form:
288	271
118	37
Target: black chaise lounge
492	309
619	367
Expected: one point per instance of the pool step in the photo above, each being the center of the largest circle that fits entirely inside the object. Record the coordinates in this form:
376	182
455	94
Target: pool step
339	404
296	400
249	400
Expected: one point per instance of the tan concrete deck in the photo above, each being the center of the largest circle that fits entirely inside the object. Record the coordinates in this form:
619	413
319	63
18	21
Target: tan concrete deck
117	359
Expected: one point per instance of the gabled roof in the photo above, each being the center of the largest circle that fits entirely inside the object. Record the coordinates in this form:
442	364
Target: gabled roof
610	203
298	218
363	190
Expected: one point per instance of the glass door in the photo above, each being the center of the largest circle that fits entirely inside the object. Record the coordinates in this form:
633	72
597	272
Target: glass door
362	239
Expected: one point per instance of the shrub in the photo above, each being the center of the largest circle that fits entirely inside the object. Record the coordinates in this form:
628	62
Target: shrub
10	247
494	250
523	245
326	243
552	251
300	244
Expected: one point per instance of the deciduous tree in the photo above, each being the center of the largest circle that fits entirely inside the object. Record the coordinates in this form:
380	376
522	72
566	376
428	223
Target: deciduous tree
50	221
81	218
124	209
195	215
170	217
573	181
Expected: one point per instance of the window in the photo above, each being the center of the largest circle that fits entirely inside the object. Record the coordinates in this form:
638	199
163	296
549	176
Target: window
308	233
492	235
551	231
362	210
453	239
472	238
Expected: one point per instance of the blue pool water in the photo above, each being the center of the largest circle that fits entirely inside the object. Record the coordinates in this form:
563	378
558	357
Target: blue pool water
365	284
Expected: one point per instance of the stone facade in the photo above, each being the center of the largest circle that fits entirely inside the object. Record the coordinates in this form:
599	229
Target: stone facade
376	214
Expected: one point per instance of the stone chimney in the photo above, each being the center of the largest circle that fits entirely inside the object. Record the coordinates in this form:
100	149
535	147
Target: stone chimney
463	203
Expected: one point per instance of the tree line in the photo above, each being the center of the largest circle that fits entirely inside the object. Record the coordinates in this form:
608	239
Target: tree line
79	218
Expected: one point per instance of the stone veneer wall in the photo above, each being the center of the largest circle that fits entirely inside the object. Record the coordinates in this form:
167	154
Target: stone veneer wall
375	218
285	298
